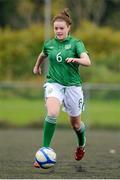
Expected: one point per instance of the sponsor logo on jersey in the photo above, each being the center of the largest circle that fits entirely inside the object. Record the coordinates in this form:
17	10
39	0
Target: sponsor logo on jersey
51	47
67	46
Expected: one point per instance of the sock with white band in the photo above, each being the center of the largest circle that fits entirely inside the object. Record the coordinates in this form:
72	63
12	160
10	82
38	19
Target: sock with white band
48	130
81	134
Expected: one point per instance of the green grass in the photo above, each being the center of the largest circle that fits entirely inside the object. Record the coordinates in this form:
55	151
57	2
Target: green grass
104	113
19	112
22	112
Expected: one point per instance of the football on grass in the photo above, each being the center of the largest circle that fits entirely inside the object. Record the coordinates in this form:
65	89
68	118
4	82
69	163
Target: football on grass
45	157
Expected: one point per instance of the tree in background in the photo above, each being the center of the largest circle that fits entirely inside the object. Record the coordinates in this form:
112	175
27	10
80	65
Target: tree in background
21	13
7	12
112	14
101	12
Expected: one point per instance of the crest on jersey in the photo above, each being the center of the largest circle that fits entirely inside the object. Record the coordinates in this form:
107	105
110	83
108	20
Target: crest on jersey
67	46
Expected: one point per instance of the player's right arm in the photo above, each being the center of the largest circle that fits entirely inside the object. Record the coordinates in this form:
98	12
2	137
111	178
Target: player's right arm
40	59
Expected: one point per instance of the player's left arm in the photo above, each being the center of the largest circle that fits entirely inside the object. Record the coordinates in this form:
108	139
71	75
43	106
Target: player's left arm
84	59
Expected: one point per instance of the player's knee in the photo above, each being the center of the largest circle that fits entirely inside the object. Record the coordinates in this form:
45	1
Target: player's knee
75	122
76	125
53	113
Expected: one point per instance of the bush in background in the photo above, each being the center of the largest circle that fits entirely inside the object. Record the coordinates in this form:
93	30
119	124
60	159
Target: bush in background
18	51
20	48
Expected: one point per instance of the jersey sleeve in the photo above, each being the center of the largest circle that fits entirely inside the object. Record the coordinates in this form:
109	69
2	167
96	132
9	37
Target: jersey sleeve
44	49
80	48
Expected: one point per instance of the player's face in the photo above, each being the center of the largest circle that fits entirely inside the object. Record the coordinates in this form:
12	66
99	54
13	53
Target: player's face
61	29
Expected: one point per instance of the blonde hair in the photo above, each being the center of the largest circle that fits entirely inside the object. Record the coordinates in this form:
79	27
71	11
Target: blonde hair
63	15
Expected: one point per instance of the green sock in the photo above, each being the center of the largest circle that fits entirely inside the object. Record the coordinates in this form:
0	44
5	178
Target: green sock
81	134
48	130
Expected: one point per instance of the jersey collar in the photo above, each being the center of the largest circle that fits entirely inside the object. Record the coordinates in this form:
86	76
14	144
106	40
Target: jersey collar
66	39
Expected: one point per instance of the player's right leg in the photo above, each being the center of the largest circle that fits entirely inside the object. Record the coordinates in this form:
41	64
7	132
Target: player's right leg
54	98
53	108
53	102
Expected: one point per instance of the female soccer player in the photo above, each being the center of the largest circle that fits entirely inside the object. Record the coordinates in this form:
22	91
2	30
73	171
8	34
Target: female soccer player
63	85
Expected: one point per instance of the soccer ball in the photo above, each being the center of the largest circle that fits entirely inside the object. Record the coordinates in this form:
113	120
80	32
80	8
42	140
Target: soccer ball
45	157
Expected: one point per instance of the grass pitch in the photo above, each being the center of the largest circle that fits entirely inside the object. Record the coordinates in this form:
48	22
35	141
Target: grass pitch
101	161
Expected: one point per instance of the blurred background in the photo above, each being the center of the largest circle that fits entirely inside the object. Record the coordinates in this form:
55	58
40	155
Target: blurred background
24	25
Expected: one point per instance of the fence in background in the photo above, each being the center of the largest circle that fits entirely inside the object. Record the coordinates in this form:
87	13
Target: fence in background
86	86
23	101
35	90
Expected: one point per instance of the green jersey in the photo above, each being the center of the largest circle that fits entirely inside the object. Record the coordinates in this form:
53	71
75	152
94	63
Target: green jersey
59	70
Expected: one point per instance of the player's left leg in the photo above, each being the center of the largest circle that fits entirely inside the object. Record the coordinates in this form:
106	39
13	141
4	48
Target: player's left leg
74	105
79	129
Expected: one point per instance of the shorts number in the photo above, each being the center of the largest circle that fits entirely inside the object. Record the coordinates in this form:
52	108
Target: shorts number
81	104
59	57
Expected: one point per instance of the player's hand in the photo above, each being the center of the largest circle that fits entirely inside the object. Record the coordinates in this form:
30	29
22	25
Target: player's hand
36	70
69	60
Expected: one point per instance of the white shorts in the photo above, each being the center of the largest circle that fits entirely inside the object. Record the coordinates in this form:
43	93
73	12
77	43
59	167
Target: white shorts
70	96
